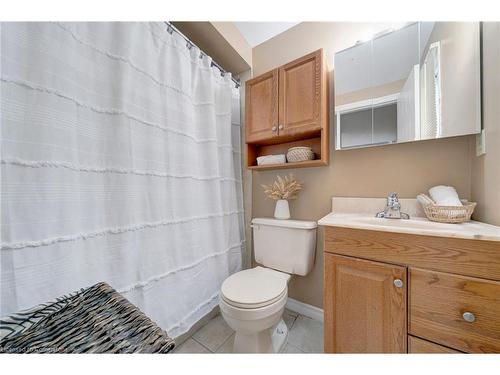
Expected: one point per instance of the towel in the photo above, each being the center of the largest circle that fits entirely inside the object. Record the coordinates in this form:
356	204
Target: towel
424	200
271	159
445	196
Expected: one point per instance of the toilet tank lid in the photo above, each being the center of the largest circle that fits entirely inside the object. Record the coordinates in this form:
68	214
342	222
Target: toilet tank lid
298	224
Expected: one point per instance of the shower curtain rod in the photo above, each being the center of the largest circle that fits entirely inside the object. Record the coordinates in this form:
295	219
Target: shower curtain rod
171	28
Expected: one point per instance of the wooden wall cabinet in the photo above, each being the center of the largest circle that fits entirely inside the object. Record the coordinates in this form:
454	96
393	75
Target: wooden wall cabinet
262	107
300	95
288	107
390	292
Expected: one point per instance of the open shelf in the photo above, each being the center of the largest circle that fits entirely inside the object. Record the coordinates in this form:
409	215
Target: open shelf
317	143
300	164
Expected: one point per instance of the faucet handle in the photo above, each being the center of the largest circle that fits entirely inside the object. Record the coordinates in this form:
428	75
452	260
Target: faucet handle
392	199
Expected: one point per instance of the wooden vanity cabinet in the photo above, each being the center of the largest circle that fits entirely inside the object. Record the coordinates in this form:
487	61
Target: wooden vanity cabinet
457	311
419	346
288	107
448	300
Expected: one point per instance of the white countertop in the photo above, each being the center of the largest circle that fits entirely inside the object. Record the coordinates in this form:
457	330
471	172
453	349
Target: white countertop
344	217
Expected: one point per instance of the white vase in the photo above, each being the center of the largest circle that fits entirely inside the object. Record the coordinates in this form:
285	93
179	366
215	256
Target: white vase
282	210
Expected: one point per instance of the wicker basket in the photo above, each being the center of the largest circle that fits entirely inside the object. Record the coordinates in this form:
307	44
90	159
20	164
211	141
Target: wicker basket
450	214
296	154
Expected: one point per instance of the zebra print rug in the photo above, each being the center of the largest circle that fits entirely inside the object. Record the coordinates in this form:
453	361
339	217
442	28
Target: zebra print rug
93	320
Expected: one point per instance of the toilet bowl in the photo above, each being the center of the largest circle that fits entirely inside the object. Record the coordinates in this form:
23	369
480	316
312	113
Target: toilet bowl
252	301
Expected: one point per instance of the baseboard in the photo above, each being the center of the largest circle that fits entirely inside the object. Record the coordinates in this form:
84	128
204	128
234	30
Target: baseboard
302	308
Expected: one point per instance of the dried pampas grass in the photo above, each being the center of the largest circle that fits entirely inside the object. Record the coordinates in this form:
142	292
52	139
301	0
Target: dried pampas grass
283	188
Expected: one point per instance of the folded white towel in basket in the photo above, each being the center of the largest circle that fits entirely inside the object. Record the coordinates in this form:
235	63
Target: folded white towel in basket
445	196
425	200
271	159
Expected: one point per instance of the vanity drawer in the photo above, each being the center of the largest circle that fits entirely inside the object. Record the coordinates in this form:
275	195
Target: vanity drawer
419	346
456	311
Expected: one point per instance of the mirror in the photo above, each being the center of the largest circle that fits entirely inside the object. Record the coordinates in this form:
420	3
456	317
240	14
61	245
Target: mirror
419	82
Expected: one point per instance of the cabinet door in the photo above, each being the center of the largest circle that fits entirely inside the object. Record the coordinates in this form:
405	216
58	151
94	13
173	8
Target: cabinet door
261	101
364	306
300	93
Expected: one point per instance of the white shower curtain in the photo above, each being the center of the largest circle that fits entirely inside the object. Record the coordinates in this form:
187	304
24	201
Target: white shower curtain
431	126
121	162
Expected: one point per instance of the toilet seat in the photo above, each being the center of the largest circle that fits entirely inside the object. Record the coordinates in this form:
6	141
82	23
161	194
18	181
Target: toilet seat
255	305
254	288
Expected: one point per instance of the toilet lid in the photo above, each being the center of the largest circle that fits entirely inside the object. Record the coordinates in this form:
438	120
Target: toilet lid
256	287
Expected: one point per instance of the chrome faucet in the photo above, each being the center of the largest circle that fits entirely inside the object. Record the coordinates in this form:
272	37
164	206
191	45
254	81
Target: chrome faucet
392	209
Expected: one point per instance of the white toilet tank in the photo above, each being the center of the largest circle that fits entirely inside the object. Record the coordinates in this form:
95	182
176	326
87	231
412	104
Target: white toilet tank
285	245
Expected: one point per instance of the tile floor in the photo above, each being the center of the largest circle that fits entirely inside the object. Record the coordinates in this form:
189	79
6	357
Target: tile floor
305	335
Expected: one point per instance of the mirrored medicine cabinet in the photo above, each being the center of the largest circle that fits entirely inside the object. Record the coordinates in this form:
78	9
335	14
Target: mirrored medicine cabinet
419	82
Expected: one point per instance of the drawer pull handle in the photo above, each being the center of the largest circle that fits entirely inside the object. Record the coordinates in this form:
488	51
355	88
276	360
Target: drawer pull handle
274	128
280	127
469	317
398	283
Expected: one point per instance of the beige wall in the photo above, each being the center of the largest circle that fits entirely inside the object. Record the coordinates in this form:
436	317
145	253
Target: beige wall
408	168
389	88
486	168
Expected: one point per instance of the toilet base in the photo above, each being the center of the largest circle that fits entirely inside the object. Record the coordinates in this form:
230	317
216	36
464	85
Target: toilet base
267	341
280	336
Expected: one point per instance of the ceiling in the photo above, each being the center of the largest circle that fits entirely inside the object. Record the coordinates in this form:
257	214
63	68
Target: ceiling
256	33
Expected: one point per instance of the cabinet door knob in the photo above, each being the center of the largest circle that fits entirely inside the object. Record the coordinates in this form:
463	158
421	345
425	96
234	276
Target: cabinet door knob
273	128
280	127
398	283
469	317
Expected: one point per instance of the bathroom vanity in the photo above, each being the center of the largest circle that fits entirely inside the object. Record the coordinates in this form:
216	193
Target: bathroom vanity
408	286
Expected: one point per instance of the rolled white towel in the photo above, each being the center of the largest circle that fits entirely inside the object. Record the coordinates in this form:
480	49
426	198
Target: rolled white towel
445	196
424	200
271	159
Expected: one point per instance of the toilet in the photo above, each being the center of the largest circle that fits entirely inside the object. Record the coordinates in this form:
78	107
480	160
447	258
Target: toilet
252	301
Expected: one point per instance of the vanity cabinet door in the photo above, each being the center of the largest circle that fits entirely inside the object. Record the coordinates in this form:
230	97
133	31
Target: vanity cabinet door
261	101
300	94
364	306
